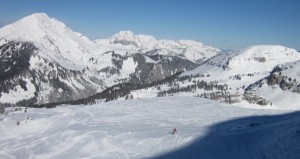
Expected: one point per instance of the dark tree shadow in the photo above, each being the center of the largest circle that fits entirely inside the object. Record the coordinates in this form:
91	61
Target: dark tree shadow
257	137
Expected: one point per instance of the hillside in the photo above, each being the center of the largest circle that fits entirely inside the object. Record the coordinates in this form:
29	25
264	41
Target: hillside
230	77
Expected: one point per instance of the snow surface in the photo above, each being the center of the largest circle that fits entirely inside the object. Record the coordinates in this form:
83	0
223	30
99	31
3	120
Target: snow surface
282	99
140	129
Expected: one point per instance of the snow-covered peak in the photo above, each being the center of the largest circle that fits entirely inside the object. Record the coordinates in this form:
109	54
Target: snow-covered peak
53	38
31	27
267	51
190	43
263	57
129	38
38	26
36	16
191	50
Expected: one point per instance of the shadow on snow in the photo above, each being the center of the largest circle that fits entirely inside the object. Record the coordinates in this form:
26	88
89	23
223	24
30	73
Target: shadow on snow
257	137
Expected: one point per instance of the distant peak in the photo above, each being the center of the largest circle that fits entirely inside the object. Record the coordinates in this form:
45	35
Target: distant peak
124	35
129	34
126	32
129	38
39	15
36	17
32	27
265	48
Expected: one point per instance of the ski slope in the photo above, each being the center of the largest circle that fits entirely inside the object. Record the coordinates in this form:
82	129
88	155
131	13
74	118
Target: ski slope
140	128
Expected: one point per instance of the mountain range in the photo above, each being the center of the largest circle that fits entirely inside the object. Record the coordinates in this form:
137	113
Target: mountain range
43	61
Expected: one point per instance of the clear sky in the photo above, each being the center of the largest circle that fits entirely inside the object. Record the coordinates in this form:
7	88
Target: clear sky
230	24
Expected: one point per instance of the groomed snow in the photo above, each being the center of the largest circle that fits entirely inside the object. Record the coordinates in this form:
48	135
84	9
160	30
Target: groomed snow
130	129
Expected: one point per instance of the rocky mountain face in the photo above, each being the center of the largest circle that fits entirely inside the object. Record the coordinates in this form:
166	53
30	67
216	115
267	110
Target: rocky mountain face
281	86
44	61
28	78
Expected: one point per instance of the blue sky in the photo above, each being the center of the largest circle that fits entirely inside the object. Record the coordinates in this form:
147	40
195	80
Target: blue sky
219	23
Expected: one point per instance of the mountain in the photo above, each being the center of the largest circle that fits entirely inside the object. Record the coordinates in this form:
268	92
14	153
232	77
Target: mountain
44	61
191	50
265	75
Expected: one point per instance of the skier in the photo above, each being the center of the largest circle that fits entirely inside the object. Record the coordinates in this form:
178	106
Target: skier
174	131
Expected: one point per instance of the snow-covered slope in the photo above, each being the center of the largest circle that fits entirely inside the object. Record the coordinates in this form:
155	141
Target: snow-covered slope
282	86
246	66
140	129
232	77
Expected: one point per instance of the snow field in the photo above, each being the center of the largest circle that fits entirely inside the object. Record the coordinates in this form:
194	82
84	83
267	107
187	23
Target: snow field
119	129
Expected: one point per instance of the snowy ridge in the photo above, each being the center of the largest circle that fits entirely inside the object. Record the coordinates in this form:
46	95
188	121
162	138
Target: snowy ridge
262	58
191	50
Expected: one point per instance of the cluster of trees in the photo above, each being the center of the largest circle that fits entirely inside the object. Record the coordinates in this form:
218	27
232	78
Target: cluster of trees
197	84
239	76
128	96
217	95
